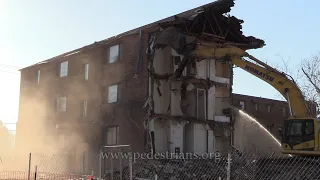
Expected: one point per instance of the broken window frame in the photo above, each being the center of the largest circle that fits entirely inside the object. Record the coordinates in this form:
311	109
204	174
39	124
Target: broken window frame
114	53
205	104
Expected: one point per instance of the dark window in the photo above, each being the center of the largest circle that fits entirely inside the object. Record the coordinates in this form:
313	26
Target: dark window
269	108
177	60
284	111
112	135
201	103
295	129
256	107
309	128
242	105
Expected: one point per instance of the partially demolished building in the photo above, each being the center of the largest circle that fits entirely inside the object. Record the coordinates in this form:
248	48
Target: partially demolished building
191	98
112	92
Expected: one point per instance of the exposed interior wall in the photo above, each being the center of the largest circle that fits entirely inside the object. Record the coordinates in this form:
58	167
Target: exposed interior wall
189	137
222	101
162	65
161	134
188	100
199	138
176	136
175	103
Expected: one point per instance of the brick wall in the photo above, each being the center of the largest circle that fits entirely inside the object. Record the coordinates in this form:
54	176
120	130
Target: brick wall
37	108
127	113
37	101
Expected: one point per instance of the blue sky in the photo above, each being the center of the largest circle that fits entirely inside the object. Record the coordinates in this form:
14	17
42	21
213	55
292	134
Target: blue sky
35	30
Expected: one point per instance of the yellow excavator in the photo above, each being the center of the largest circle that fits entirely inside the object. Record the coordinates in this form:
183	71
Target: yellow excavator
300	135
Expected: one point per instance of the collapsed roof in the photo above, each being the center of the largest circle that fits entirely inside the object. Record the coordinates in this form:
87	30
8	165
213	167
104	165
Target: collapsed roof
208	22
211	22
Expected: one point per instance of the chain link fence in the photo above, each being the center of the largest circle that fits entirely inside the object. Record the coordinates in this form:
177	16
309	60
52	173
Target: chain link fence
235	165
116	162
119	163
49	166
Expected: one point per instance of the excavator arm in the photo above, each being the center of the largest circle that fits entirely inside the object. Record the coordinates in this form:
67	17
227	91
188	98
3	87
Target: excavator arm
280	81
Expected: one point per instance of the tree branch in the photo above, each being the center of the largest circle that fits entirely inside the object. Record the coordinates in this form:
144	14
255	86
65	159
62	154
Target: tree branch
310	80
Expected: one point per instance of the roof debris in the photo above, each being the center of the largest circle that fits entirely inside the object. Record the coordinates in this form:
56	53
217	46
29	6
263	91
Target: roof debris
211	22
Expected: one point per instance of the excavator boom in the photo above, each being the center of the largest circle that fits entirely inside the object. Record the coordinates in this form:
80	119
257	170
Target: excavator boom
287	87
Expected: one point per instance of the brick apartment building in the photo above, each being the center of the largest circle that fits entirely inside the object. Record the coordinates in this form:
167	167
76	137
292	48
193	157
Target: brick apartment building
100	94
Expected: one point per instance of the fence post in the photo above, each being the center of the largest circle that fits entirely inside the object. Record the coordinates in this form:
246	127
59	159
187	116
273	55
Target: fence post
29	168
229	167
130	163
120	166
35	173
84	162
100	164
112	168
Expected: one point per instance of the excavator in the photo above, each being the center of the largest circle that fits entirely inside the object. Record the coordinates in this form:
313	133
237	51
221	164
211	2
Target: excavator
300	135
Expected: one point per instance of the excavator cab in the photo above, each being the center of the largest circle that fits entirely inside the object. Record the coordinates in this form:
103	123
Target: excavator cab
301	137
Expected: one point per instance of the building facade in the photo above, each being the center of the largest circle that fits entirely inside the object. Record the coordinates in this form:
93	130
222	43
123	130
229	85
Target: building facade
135	89
73	98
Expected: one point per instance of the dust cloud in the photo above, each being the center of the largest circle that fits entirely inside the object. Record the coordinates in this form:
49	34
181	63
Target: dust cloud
251	136
36	134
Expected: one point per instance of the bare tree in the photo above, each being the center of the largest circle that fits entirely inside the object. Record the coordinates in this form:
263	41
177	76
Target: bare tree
294	72
311	85
305	74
